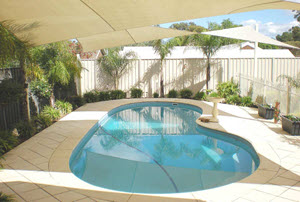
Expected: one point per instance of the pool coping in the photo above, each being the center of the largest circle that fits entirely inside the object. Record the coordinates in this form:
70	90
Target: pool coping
60	174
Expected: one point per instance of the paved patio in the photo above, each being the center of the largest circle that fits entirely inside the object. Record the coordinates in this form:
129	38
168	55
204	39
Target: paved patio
38	169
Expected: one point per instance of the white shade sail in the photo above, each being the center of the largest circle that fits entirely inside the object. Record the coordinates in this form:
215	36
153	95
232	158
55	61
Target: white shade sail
57	20
247	33
130	36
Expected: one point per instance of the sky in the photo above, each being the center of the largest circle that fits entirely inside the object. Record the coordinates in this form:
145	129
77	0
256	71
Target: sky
270	22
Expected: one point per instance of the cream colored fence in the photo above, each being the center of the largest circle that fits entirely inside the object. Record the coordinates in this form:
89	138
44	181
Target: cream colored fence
187	73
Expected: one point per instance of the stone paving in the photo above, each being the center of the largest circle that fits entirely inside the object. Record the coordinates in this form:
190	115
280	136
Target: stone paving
38	169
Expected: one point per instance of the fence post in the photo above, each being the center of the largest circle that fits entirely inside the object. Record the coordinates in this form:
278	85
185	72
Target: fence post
288	97
228	69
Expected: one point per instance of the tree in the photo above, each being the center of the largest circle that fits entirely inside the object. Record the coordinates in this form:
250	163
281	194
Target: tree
13	49
59	64
209	45
163	49
114	63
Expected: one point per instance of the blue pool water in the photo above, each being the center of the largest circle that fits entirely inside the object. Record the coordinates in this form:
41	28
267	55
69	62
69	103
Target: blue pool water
157	147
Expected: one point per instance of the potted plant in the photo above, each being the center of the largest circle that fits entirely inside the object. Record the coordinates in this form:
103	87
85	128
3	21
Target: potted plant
266	111
291	124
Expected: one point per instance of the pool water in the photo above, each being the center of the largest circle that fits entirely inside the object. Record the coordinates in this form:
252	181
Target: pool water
157	147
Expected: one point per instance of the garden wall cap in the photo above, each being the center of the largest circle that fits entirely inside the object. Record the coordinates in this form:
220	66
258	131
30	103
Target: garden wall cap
50	21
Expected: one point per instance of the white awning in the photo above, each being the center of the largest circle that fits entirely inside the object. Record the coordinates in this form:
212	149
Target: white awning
126	37
247	33
57	20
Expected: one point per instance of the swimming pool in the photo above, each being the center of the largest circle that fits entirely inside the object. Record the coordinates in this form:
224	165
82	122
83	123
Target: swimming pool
157	147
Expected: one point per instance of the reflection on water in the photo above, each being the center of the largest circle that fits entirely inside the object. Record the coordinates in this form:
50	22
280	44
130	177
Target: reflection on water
160	150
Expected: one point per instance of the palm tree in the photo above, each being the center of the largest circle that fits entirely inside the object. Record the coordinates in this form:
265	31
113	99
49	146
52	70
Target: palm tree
114	63
59	65
163	49
209	45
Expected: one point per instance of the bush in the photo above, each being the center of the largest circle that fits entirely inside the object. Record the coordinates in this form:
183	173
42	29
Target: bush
92	96
41	89
6	198
233	99
136	93
7	142
155	95
226	89
52	113
26	130
63	107
41	122
10	91
172	94
186	93
200	96
214	94
246	101
104	95
76	101
117	94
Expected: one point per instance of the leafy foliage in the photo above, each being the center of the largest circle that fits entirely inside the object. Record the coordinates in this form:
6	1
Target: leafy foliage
52	113
293	118
104	95
114	63
63	107
7	141
246	101
6	198
41	122
214	94
76	101
155	95
41	89
10	91
117	94
92	96
227	89
233	99
136	93
173	94
200	96
25	129
186	93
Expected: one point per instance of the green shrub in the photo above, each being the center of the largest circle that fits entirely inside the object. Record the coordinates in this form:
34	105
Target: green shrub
117	94
10	91
155	95
26	130
76	101
104	95
214	94
136	93
200	96
186	93
52	113
41	122
41	89
7	142
92	96
226	89
292	117
63	107
246	101
172	94
233	99
6	198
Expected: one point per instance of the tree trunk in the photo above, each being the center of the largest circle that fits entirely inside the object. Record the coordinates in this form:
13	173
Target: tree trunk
52	100
25	108
207	73
162	94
